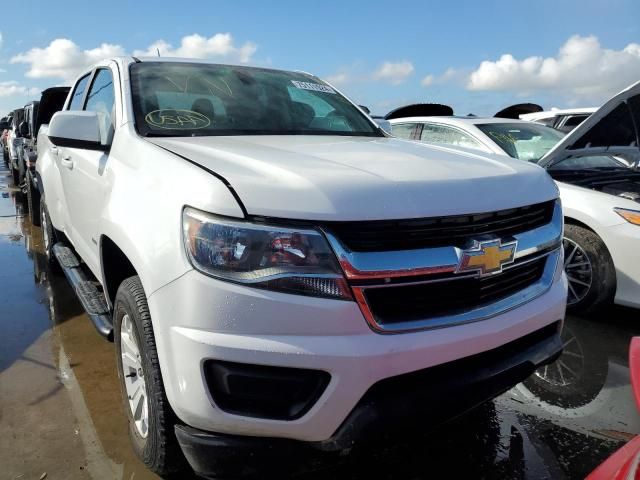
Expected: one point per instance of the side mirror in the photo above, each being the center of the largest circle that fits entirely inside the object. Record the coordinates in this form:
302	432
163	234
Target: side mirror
23	129
76	129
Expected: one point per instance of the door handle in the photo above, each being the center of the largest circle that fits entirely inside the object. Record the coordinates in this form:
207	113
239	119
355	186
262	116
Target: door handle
54	150
67	162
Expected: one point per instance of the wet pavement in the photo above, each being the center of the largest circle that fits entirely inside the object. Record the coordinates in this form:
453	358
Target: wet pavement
61	413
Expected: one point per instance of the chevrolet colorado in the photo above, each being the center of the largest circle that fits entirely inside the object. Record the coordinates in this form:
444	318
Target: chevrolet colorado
277	273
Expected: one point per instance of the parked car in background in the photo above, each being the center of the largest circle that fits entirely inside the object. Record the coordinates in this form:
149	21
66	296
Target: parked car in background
27	145
5	123
564	120
14	140
260	252
596	167
37	116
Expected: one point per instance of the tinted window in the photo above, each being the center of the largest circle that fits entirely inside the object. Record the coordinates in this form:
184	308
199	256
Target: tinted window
526	141
18	117
616	128
78	94
547	121
101	100
444	135
634	104
184	99
575	120
403	130
52	101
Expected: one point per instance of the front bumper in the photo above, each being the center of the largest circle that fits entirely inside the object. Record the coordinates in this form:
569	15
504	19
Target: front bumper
623	242
408	404
197	318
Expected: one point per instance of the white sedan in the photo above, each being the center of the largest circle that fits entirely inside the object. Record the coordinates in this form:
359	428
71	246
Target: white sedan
596	169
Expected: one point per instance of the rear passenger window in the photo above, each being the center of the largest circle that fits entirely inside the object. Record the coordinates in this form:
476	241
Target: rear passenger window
447	136
78	94
403	130
101	100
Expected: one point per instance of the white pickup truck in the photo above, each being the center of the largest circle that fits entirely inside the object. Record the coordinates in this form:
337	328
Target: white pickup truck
278	272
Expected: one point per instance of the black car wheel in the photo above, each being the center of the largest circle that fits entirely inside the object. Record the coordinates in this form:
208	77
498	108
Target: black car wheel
33	201
151	420
50	237
15	174
589	268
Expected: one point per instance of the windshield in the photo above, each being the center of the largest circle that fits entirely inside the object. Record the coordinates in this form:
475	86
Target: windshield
525	141
188	99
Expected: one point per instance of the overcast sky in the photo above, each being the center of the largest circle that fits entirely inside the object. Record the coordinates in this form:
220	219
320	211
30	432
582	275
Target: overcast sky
476	56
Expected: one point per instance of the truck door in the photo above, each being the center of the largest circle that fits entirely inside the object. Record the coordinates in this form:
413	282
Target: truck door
82	172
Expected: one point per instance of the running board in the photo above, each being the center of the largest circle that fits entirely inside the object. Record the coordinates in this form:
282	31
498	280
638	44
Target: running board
87	292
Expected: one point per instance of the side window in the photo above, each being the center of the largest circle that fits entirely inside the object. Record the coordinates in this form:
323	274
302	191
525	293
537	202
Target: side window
403	130
575	120
444	135
547	121
101	99
78	94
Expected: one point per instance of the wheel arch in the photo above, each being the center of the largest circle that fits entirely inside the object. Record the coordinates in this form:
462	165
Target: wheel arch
116	267
579	223
575	221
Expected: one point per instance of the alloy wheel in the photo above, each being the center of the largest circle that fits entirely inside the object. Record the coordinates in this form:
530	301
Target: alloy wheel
134	379
579	271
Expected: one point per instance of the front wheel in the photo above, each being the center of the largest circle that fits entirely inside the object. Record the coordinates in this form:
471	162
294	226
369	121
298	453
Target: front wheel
589	268
33	201
151	419
15	174
49	237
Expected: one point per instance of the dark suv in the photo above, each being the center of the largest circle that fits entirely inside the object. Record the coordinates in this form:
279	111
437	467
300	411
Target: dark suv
15	146
36	114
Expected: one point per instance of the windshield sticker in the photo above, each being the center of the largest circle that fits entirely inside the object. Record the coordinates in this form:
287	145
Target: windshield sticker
173	119
316	87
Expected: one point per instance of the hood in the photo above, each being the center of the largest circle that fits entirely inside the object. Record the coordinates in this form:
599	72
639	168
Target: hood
613	129
362	178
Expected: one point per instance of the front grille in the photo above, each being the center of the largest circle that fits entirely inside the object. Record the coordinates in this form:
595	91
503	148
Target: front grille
405	303
388	235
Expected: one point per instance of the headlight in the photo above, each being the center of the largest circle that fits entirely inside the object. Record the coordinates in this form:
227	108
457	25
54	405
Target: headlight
289	260
631	216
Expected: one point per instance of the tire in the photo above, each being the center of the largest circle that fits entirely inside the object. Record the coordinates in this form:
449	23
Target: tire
590	270
154	443
33	201
50	237
15	174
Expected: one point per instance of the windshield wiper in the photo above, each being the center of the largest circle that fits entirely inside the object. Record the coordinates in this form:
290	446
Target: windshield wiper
619	175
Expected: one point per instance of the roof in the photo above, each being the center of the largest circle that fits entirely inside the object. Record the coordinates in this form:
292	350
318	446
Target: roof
557	111
206	61
453	120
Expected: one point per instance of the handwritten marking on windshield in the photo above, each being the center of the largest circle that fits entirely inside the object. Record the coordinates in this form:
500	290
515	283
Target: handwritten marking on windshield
174	119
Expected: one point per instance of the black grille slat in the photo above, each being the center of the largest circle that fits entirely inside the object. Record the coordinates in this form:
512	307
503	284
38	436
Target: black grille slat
405	303
387	235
